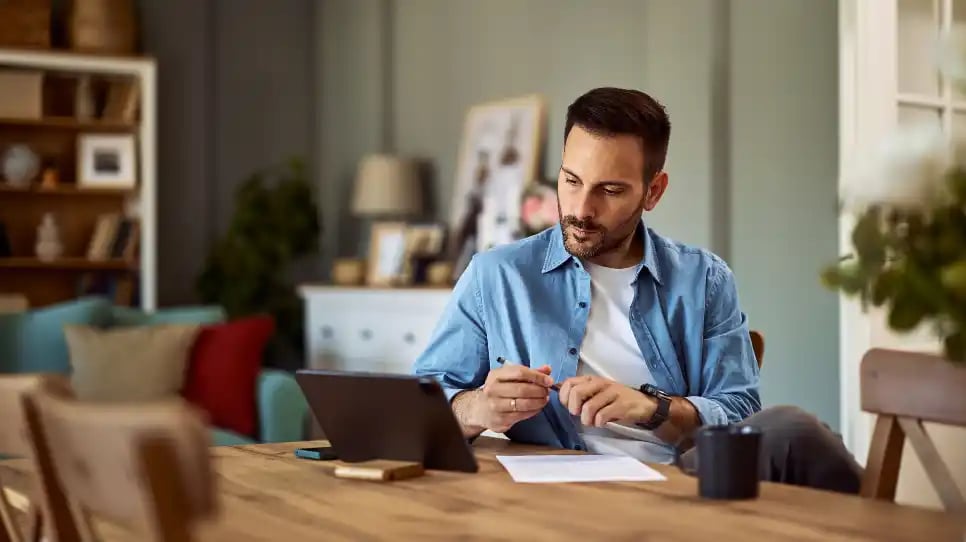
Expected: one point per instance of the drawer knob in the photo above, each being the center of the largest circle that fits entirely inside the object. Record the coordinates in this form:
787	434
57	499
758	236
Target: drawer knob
409	338
326	332
366	334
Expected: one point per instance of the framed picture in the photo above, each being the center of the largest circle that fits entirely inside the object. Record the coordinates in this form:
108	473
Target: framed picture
387	253
499	156
106	161
424	244
425	239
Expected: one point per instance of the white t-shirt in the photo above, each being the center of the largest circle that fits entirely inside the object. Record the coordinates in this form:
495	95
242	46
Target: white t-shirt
610	350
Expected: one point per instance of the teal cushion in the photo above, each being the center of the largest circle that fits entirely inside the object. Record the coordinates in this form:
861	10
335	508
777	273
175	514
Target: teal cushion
223	437
202	314
33	341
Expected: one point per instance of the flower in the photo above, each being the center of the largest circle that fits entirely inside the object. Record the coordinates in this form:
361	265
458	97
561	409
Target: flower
907	170
539	208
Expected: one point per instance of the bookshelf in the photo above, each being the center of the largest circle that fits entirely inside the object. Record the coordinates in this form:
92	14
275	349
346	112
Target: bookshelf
55	135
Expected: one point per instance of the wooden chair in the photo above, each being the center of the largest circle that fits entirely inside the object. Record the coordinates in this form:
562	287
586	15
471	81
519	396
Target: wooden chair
758	345
143	466
905	389
14	441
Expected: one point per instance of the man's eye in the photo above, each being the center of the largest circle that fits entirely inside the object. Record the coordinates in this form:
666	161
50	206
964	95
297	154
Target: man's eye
570	180
613	191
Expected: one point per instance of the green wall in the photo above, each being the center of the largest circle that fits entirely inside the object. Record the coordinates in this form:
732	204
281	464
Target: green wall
749	85
784	106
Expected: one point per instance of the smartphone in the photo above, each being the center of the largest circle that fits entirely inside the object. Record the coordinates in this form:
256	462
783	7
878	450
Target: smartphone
324	453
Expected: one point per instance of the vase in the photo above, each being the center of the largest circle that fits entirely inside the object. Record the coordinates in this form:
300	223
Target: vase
48	245
20	165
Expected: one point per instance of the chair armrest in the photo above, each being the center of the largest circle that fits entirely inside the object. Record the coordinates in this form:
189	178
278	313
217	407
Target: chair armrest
281	407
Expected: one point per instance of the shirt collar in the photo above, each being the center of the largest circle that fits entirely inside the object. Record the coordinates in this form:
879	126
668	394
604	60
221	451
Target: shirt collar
557	255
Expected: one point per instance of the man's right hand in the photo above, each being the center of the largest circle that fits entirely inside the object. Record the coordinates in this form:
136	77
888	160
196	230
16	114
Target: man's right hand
511	393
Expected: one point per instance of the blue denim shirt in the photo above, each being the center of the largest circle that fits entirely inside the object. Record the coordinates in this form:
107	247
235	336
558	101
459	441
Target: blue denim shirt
529	301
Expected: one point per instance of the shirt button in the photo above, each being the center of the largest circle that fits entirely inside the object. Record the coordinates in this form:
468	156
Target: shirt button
582	305
572	351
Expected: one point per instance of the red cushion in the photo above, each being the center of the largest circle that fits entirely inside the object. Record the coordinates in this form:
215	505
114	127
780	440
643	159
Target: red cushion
223	371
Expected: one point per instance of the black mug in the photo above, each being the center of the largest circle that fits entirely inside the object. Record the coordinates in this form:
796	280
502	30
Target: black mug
728	459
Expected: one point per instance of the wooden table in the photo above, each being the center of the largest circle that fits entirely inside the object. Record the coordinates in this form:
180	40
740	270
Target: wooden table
268	494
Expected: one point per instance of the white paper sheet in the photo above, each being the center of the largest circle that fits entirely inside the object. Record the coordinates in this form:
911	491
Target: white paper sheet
577	468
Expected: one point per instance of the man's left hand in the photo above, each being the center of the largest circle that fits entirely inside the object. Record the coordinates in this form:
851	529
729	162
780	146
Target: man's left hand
599	400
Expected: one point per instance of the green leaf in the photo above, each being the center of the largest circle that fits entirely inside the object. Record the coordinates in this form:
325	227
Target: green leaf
953	277
954	346
869	241
905	313
886	286
848	277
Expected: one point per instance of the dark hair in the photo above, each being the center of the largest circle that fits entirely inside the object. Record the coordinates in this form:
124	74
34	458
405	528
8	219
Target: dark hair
612	111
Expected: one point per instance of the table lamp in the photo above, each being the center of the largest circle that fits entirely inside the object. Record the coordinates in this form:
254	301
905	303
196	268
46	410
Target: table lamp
387	186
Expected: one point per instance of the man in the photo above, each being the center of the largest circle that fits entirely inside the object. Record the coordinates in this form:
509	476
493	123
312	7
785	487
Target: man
641	331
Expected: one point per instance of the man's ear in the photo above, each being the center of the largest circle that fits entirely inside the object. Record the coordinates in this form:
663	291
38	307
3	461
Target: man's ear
655	190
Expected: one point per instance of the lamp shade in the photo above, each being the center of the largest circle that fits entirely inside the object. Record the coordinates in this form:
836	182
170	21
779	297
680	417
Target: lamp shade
387	185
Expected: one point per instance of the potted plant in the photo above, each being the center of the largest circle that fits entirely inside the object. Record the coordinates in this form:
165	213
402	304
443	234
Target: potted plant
909	237
247	271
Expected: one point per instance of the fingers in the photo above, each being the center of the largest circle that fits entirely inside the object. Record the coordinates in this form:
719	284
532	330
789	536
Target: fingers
519	373
610	413
567	387
581	392
590	407
521	405
517	390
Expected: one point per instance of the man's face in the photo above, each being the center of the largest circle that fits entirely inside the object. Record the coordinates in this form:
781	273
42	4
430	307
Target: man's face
602	192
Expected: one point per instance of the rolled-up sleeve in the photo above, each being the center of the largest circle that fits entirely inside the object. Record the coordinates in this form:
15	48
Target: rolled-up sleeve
729	372
457	351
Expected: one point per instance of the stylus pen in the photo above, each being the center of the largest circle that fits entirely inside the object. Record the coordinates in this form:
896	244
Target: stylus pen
502	360
614	426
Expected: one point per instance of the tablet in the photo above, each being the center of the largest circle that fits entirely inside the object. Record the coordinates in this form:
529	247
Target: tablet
368	416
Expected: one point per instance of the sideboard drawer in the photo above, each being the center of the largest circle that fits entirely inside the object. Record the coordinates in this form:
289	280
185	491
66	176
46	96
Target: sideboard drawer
378	330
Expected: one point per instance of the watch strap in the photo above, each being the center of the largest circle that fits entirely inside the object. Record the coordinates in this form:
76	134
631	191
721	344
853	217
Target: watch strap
663	410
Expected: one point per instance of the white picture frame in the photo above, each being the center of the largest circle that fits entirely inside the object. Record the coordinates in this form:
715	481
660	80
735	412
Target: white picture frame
387	253
106	161
501	143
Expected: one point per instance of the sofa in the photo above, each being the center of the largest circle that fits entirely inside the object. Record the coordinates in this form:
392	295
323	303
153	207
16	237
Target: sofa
33	341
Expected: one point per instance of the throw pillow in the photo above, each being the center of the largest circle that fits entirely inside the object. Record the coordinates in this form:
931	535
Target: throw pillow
129	364
223	372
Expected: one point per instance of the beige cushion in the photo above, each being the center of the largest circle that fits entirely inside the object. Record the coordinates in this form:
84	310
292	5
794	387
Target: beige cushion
129	364
13	303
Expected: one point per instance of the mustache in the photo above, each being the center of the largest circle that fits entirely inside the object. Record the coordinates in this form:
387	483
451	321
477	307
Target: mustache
586	225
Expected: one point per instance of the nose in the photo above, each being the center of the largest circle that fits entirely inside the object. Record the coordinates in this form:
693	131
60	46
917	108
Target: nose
584	208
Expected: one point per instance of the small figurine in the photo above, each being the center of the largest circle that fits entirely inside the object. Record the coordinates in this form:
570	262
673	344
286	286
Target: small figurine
49	179
48	246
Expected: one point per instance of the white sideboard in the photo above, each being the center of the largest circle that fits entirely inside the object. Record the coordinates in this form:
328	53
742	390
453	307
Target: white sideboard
369	329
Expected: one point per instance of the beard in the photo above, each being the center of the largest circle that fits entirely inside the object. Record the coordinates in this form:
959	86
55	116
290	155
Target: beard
587	239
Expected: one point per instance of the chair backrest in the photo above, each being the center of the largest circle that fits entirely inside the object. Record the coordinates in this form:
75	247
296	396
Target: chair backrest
758	345
146	466
15	441
905	389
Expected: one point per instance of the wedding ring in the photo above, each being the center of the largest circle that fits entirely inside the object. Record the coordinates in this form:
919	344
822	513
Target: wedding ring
513	405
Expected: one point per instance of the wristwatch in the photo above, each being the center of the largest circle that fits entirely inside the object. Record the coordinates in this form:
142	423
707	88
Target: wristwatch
663	407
